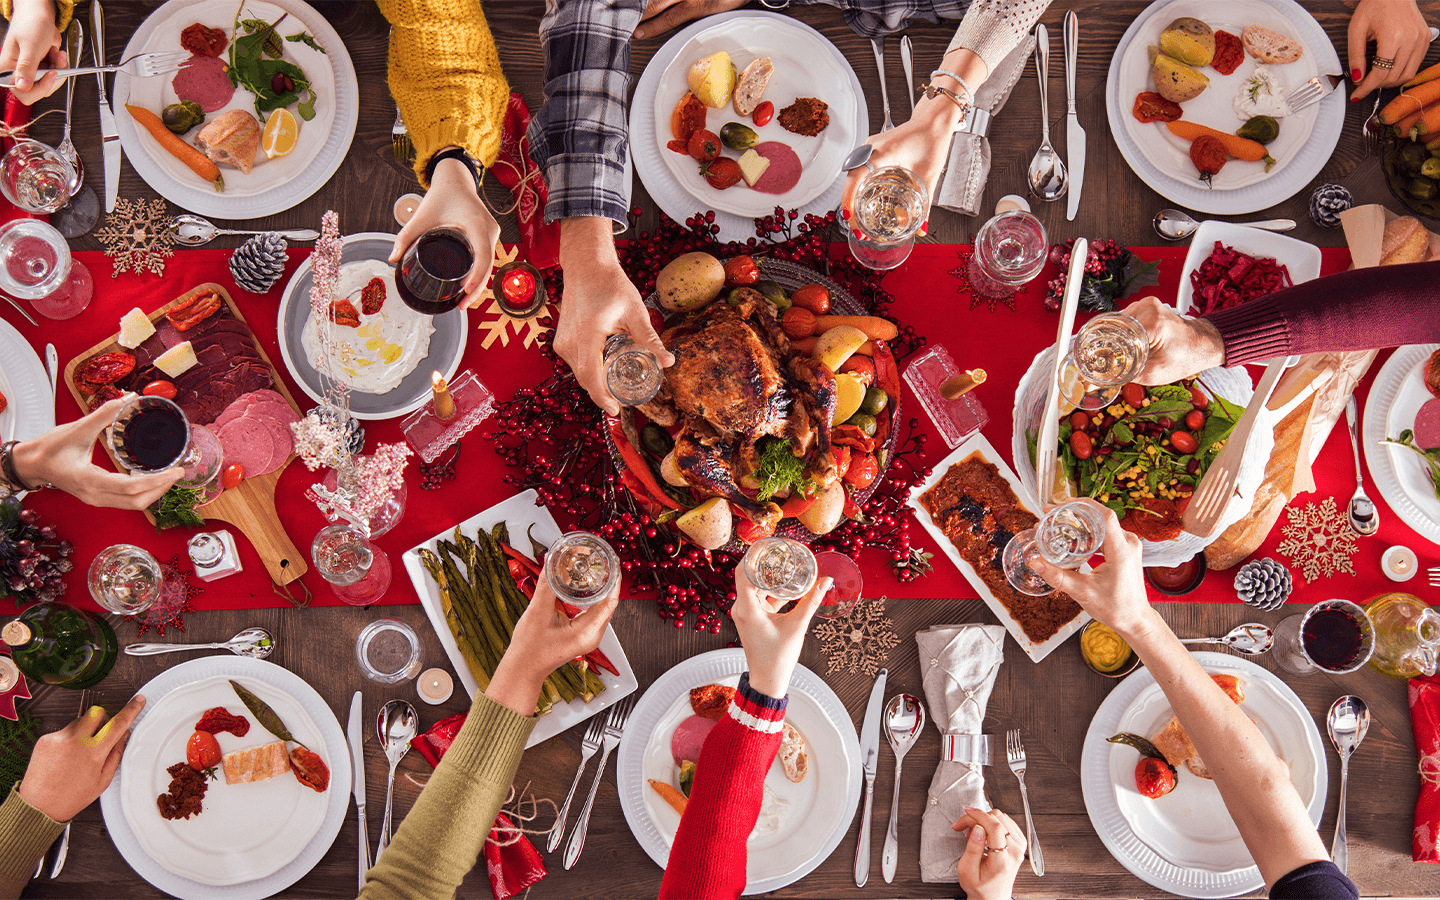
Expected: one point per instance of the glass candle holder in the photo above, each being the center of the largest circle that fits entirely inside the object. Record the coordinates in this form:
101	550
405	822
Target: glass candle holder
783	568
957	419
358	571
388	651
1009	252
890	206
582	568
430	431
125	579
519	288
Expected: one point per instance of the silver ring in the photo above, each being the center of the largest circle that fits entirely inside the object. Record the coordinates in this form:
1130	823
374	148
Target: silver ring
1381	62
871	166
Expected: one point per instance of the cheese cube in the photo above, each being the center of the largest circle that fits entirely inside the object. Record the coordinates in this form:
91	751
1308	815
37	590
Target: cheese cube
178	359
752	166
135	327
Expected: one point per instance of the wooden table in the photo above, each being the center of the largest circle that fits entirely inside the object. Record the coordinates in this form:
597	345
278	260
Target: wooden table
1052	702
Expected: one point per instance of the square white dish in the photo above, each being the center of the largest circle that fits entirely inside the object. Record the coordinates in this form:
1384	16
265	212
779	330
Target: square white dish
1301	258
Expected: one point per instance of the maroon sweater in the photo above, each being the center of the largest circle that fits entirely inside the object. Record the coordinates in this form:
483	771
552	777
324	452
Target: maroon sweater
1363	309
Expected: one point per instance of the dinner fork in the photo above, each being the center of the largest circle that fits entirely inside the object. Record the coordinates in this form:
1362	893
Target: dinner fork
142	65
64	840
1435	576
877	44
588	745
1311	91
1015	753
400	143
614	727
1372	129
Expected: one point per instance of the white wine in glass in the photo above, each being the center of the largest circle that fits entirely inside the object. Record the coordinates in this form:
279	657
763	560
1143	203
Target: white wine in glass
35	265
1066	536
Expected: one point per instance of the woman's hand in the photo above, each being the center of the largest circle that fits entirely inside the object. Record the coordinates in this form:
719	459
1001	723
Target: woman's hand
71	767
772	640
454	202
1114	592
662	15
62	457
993	853
1400	34
1180	346
32	40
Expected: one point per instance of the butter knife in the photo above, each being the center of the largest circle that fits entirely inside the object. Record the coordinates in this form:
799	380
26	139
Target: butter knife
1074	134
108	132
1046	447
52	368
869	756
907	60
355	734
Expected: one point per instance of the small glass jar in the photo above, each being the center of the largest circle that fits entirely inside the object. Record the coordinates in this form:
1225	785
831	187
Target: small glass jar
388	651
358	571
213	555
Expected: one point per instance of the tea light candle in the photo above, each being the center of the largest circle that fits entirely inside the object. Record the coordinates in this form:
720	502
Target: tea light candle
1011	201
519	289
9	674
1400	563
405	207
444	403
435	686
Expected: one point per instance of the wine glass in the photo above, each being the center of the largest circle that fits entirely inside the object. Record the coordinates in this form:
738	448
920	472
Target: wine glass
152	434
845	592
783	568
632	372
35	264
358	571
125	579
1009	251
1110	350
582	568
1065	536
35	177
1336	636
430	277
890	206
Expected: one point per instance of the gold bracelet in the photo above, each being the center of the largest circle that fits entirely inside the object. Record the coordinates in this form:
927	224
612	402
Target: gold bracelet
934	90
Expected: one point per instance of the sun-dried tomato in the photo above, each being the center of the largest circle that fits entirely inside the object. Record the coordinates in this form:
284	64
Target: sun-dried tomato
3	403
310	770
372	296
1151	107
343	312
219	719
105	368
1229	53
710	701
203	41
688	117
1208	155
189	313
103	394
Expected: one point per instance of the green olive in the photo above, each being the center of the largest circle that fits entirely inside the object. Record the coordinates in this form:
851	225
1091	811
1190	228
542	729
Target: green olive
657	440
183	116
1420	188
737	136
1262	129
865	422
875	400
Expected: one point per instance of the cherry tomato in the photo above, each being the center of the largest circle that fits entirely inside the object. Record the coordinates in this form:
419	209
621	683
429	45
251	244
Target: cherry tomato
763	113
202	751
1154	777
1165	422
1184	441
232	476
1195	420
863	471
160	389
813	297
704	145
1080	445
1133	393
741	271
1079	420
1199	397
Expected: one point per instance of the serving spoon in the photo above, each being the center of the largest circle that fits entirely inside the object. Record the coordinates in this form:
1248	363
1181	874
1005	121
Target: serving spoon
1251	639
904	720
397	724
1348	721
255	642
1177	225
192	231
1047	176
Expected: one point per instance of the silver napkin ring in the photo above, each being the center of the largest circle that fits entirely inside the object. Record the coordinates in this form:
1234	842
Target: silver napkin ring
966	748
976	122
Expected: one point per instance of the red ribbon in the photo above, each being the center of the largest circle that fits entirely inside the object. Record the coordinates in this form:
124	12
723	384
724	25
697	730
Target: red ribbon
539	242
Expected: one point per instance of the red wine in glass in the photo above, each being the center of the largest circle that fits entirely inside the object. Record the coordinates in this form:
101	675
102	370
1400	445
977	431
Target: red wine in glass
1333	639
153	437
431	275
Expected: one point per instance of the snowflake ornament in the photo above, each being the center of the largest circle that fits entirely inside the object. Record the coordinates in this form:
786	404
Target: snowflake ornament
859	641
1319	540
176	595
962	272
528	329
135	237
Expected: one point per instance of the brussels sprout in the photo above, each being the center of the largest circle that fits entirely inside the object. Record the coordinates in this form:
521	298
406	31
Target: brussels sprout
1262	129
774	293
738	137
656	439
1420	188
1430	168
1411	157
183	116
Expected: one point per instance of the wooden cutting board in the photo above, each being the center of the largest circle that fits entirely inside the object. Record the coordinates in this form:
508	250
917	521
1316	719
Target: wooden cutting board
250	506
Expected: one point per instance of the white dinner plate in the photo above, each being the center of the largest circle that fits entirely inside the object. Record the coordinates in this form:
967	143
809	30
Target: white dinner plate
1300	258
1395	397
273	185
1162	160
447	344
519	513
977	443
1186	842
822	805
250	840
29	407
807	65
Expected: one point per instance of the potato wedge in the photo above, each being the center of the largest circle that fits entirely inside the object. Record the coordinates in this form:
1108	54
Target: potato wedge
708	524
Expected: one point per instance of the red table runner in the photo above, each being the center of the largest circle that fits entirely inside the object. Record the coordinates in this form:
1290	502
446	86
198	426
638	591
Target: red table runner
1004	342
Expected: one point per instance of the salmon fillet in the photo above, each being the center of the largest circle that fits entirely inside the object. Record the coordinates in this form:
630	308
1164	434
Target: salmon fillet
256	763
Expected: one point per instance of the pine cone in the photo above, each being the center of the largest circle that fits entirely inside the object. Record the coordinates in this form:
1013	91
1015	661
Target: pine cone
355	431
258	263
1263	584
1327	203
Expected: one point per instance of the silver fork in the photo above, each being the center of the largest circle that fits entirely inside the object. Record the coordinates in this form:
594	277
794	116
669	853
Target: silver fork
1372	129
1015	753
1311	91
400	143
143	65
614	727
64	840
588	745
1434	576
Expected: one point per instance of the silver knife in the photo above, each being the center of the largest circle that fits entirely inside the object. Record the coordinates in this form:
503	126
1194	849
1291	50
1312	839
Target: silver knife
52	368
108	132
355	734
869	755
1074	134
908	61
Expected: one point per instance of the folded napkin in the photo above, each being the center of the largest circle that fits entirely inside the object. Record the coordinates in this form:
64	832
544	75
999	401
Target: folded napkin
963	183
960	663
1424	698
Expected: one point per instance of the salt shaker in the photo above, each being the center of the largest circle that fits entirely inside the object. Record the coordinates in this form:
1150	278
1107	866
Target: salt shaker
214	555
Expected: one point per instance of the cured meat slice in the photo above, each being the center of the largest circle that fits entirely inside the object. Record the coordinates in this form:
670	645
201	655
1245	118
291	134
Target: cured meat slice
203	79
784	170
256	763
689	737
248	442
1427	424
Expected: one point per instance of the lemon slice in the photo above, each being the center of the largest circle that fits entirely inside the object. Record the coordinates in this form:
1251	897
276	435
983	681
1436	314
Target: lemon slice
282	132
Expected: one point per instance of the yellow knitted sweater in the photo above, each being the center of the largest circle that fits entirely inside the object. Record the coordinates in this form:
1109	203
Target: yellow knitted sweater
64	12
445	76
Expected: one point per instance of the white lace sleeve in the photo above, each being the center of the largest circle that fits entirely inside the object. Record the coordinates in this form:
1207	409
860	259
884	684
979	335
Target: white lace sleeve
992	28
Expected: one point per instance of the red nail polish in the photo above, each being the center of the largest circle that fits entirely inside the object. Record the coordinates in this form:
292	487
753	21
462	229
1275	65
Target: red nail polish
845	214
1354	99
1356	74
924	227
858	235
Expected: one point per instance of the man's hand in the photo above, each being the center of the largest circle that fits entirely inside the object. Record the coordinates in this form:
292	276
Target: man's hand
73	766
544	640
1114	592
1400	35
993	853
772	640
31	41
1180	346
62	457
453	201
662	15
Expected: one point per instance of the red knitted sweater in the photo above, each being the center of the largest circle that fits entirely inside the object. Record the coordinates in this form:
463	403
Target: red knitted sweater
708	857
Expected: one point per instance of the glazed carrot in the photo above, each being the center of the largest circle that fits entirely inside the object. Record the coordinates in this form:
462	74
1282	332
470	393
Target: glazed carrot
198	162
875	327
807	345
1424	75
1402	127
1236	146
1432	142
670	795
1428	125
1410	101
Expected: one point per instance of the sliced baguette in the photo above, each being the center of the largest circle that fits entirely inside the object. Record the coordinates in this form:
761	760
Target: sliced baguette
1269	46
751	85
794	758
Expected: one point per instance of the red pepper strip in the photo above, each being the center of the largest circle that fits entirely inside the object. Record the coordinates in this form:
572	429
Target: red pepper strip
512	868
567	609
851	508
520	558
597	658
636	465
842	459
517	571
887	376
526	586
796	505
852	436
750	532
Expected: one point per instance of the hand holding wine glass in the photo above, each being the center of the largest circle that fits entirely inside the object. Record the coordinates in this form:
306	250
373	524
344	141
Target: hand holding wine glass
452	204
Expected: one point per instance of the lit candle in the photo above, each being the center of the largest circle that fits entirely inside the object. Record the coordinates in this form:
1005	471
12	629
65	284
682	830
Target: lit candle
961	384
405	208
444	403
519	290
1400	563
519	287
435	686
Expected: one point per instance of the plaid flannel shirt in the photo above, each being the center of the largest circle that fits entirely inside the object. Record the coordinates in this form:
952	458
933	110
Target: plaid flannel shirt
579	138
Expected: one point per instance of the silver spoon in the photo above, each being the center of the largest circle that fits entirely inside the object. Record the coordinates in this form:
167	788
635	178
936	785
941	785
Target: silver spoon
74	38
256	643
1047	171
1251	639
1364	518
192	231
397	724
1347	723
1177	225
904	720
857	157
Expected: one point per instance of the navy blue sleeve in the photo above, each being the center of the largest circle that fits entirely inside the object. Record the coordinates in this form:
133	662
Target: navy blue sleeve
1321	880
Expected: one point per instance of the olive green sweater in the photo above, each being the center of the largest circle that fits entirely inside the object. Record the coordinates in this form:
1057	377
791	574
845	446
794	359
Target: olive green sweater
25	834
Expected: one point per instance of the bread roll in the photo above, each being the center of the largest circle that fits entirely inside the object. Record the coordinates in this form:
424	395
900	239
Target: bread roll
231	139
1406	241
751	85
1269	46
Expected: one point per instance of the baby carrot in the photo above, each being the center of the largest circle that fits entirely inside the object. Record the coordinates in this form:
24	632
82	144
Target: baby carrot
1236	146
1429	122
198	162
670	795
875	327
1424	75
1410	101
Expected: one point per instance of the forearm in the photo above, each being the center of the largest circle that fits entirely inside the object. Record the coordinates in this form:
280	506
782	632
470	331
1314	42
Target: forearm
585	242
992	28
25	835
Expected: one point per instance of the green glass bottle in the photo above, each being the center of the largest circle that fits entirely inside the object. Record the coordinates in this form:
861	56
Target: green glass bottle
58	644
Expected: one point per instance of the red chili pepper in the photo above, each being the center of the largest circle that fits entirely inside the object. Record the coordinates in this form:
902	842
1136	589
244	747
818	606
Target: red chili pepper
796	505
636	465
597	658
518	557
526	586
512	868
851	508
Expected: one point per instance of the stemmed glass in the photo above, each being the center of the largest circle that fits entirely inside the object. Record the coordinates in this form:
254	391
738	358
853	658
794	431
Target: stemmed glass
783	568
35	264
582	568
1110	351
1065	536
430	277
35	177
890	206
1336	636
125	579
152	434
358	571
632	372
1009	251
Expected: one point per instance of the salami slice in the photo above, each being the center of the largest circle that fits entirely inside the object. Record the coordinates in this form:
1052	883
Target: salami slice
248	443
689	738
1427	424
